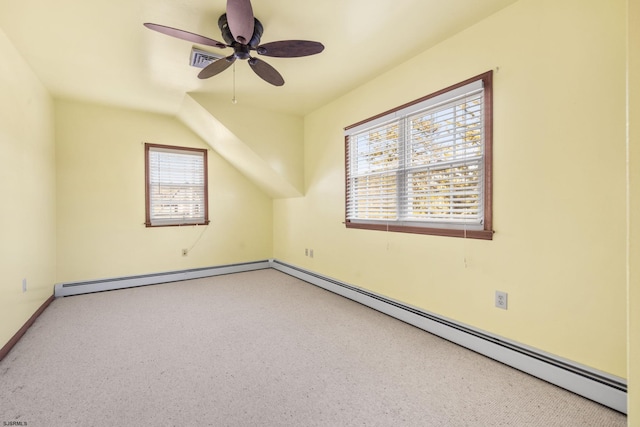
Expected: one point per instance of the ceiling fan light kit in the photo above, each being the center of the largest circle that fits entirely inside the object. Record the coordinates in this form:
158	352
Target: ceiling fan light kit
242	32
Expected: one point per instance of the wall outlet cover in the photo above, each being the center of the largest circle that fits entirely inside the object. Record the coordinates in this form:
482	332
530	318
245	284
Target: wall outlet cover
501	300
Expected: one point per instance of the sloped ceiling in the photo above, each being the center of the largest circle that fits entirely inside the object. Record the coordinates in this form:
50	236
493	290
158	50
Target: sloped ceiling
98	50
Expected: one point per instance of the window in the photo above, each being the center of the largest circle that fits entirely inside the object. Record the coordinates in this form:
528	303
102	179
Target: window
425	167
176	186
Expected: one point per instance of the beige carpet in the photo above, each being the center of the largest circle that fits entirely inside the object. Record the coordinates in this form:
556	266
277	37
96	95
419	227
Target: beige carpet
260	349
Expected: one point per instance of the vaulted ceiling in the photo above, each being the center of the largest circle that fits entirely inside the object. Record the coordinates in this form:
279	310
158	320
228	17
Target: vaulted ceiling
99	51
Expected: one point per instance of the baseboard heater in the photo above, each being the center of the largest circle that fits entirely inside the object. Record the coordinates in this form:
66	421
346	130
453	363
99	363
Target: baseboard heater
598	386
78	288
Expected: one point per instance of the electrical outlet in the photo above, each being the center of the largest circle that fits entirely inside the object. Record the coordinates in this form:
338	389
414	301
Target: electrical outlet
501	300
306	252
24	285
185	252
311	253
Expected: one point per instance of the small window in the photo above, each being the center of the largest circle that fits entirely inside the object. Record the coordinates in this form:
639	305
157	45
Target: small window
176	186
425	167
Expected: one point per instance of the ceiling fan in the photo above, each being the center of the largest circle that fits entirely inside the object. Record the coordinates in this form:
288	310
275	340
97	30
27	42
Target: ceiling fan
241	31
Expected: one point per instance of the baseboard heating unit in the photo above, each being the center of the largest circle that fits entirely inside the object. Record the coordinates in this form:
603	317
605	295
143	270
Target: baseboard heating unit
78	288
598	386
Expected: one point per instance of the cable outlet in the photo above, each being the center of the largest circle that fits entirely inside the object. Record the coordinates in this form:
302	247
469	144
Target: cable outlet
185	252
501	300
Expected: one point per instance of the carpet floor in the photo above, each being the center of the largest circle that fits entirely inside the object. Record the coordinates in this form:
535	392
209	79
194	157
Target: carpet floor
260	349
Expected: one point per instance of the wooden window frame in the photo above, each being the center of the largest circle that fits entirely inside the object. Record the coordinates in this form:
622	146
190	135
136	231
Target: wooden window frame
204	152
486	233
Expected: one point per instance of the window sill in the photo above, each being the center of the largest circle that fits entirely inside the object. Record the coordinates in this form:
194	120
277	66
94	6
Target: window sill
469	234
188	224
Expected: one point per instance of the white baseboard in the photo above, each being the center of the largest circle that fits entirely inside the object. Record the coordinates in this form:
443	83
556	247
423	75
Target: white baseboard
78	288
598	386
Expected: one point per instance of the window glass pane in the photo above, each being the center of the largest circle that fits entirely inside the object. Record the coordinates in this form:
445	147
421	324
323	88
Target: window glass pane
374	197
449	133
449	194
376	150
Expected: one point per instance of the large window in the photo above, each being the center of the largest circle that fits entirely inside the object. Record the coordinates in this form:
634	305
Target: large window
176	186
425	167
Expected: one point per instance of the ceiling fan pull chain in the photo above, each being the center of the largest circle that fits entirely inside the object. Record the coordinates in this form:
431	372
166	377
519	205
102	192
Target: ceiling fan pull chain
234	100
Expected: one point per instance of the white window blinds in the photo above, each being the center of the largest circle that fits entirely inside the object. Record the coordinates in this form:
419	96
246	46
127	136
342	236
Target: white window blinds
176	180
422	165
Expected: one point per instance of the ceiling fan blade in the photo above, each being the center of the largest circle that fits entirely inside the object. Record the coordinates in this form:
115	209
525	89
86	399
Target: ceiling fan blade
290	48
216	67
241	21
266	72
185	35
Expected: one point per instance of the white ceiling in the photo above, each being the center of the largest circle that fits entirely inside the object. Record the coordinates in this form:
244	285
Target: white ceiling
98	50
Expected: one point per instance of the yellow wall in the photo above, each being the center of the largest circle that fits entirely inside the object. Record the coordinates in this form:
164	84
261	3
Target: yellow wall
559	185
634	199
101	207
28	212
